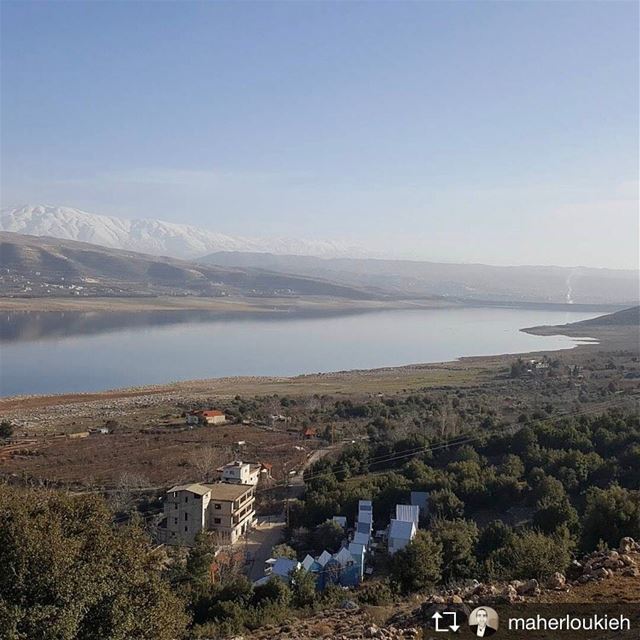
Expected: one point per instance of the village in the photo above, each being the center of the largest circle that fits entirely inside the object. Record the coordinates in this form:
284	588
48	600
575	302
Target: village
225	510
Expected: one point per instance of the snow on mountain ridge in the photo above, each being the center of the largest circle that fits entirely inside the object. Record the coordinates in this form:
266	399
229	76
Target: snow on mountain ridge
154	236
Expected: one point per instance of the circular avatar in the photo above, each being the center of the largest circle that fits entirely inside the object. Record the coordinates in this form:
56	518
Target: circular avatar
483	622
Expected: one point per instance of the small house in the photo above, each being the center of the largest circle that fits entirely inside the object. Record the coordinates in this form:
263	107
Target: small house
401	532
207	416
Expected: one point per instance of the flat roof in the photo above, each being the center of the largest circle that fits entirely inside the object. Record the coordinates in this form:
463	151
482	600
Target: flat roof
225	491
194	487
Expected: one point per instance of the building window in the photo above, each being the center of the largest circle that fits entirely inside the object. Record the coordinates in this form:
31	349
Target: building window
186	516
217	505
217	520
186	528
175	505
186	498
175	521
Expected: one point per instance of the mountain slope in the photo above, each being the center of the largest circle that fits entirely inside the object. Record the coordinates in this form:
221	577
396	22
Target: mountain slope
33	266
151	236
471	282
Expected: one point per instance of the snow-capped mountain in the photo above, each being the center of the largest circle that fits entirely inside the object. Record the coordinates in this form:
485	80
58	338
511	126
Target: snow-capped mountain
155	236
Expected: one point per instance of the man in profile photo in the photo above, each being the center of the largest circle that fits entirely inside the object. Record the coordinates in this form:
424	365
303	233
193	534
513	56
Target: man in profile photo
482	629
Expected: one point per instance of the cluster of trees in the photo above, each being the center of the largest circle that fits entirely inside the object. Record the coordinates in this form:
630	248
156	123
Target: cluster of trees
565	486
67	572
232	605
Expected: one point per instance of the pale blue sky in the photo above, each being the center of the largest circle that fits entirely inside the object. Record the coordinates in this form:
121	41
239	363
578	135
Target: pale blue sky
500	132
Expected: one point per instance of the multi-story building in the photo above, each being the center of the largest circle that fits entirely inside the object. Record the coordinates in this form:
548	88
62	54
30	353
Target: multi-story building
238	472
226	510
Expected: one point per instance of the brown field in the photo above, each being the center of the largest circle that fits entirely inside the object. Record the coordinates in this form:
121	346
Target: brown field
157	459
149	439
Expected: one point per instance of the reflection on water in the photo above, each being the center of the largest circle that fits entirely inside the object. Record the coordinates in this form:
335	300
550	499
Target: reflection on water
66	352
29	325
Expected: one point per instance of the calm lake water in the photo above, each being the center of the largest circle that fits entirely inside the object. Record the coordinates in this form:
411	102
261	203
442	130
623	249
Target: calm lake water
68	352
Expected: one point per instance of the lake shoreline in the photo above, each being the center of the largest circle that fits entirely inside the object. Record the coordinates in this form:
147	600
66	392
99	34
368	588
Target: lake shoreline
307	305
227	385
455	370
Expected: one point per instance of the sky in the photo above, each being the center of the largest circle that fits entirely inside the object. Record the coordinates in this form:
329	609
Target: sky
495	132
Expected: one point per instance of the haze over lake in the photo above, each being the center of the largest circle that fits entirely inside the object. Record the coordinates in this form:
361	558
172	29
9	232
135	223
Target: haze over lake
74	352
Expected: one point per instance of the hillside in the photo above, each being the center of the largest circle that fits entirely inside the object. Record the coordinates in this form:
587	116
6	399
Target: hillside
48	267
624	318
621	328
473	282
151	236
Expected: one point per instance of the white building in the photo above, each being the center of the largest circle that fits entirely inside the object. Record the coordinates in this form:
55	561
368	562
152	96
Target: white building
238	472
401	532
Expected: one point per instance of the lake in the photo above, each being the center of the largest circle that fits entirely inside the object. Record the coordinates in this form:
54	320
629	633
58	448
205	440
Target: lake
53	352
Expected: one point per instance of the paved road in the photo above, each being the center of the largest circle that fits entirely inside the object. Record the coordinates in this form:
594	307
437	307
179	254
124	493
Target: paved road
262	539
260	542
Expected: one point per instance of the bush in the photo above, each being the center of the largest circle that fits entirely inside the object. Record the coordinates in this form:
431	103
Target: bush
275	590
419	565
492	537
6	430
458	539
376	593
531	554
610	514
446	504
303	587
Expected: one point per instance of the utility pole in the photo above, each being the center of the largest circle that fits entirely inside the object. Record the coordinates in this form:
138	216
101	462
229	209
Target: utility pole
286	494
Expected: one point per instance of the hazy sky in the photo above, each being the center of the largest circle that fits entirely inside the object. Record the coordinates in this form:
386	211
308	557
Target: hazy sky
501	132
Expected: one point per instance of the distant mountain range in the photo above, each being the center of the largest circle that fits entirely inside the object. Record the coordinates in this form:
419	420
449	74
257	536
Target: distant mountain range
466	282
49	267
286	260
154	237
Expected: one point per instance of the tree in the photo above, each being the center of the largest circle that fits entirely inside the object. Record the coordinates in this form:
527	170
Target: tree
200	559
419	565
610	515
329	535
67	573
531	554
275	590
492	537
283	551
446	504
303	588
551	515
458	539
6	430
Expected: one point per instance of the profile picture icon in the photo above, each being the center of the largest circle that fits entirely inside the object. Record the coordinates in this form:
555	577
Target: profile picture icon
483	622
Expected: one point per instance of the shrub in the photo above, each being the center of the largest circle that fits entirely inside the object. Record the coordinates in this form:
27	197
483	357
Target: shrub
419	565
458	539
531	554
610	514
376	593
446	504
